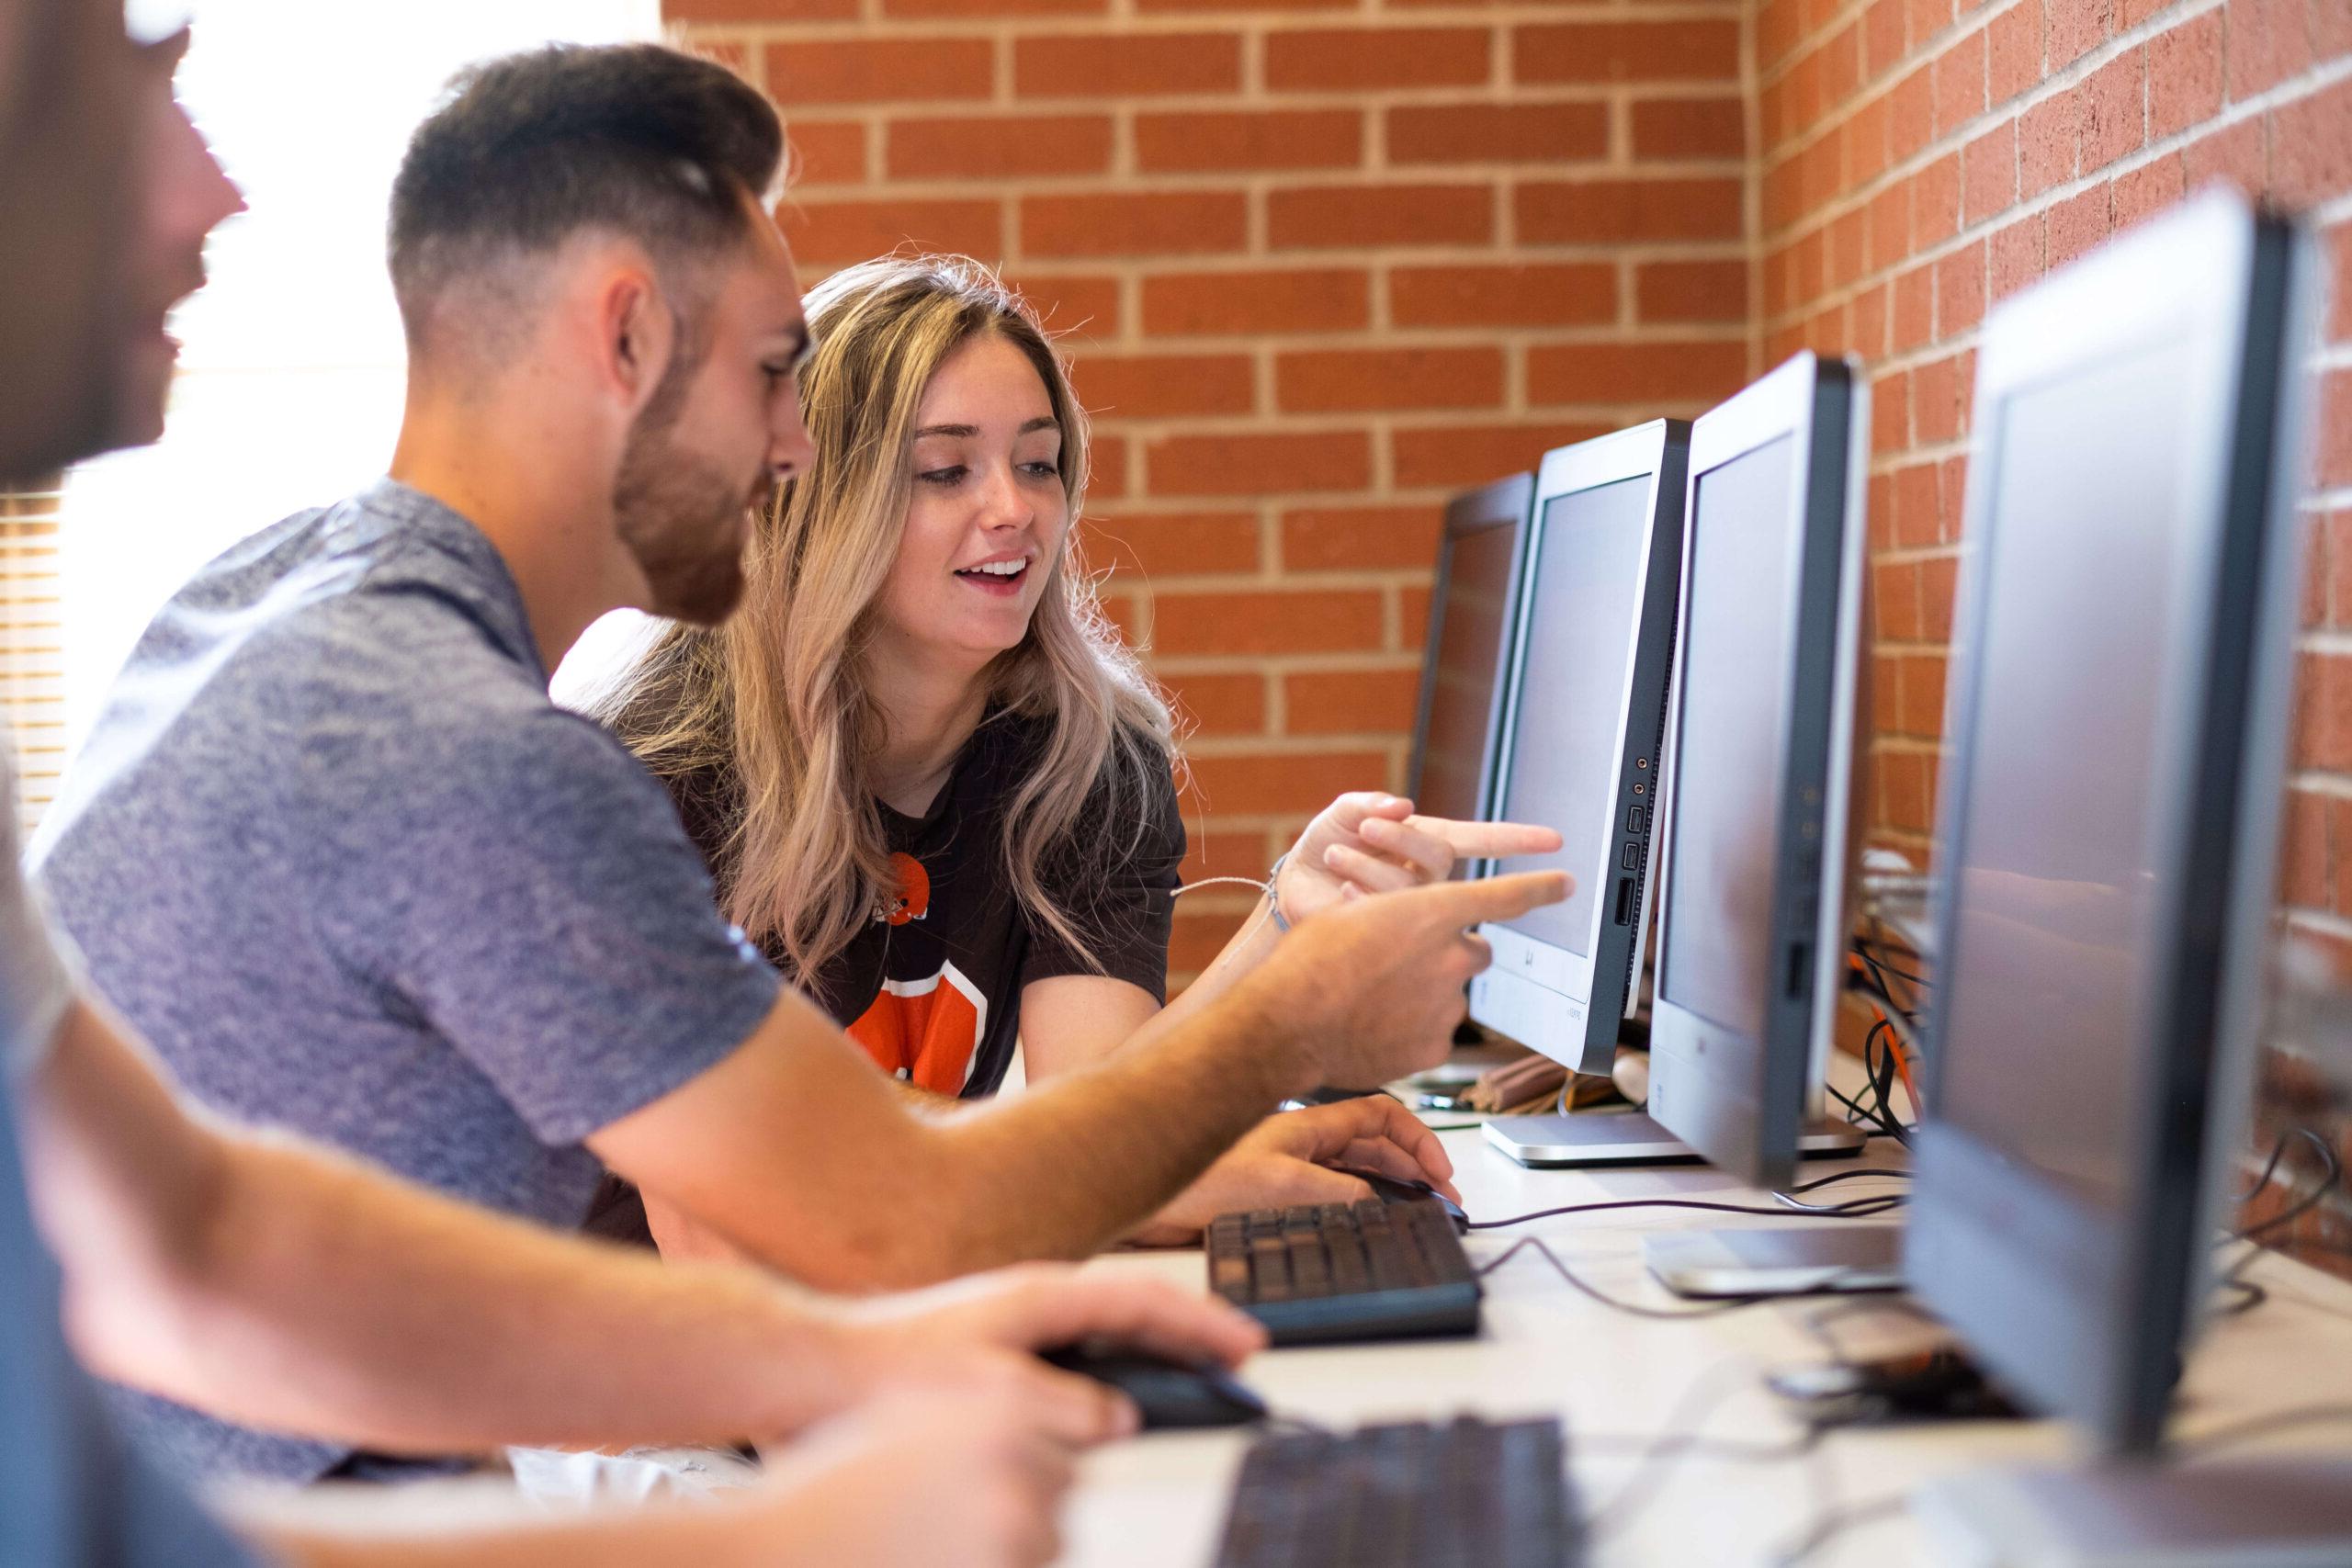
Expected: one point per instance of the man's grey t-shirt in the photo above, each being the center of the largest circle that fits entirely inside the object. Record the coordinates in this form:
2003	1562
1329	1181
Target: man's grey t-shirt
333	849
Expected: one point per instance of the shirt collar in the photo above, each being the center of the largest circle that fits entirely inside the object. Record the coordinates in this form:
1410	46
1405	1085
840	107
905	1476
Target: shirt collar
421	519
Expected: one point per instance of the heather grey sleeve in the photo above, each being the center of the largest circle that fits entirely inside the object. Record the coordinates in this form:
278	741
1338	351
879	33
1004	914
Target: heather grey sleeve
545	910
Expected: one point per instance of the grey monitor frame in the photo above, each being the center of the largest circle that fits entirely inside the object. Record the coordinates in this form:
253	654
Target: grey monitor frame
1545	997
1742	1102
1503	504
2081	1315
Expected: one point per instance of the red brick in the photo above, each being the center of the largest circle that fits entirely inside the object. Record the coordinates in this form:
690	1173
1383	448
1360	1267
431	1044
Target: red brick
758	11
1960	83
1961	290
1869	312
1927	18
858	231
1298	784
2311	142
1939	391
1196	937
2013	49
2339	243
2336	551
1084	305
1351	701
1107	459
2080	223
1939	580
1915	307
1841	63
1567	294
2149	188
1173	544
1882	43
1150	7
1692	291
1953	486
1865	137
1450	455
1124	64
827	152
1252	464
1328	381
2132	13
1356	60
1240	303
2236	153
1334	217
2334	452
2303	872
2117	121
1890	225
2078	27
1911	115
998	147
1989	175
1891	413
1906	784
2324	712
2045	146
1935	203
2185	75
1412	617
1848	249
1116	224
1923	696
1358	538
1627	52
850	70
988	10
1292	620
2319	571
1161	386
1636	373
1497	133
2268	43
2331	29
1599	212
1915	508
2339	864
1279	139
1223	704
1689	128
2017	255
1895	594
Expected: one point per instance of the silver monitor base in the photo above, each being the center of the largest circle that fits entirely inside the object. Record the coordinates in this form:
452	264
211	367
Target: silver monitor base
2280	1512
1778	1260
1631	1138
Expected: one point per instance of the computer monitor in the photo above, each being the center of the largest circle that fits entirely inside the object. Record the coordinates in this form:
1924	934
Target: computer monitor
1760	739
2121	669
1470	607
1581	709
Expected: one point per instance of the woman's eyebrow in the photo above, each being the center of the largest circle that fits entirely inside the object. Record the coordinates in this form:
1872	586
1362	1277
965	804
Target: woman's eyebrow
965	432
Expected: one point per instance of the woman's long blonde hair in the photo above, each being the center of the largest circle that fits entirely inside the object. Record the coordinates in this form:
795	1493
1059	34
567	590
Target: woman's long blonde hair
771	704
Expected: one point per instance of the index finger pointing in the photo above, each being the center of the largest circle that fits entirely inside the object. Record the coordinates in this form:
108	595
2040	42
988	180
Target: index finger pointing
1460	905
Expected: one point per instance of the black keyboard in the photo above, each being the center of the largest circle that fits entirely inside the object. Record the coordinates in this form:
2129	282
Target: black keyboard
1370	1271
1471	1494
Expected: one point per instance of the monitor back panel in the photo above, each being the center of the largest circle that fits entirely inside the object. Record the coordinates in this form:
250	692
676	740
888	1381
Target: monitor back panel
2120	689
1751	913
1583	705
1469	639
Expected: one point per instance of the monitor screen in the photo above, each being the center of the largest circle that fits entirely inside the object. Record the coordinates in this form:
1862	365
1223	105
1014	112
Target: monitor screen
2052	945
1581	607
1727	767
1469	655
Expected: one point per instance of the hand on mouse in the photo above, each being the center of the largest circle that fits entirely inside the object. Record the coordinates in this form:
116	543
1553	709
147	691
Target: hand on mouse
1284	1160
977	1333
1370	842
914	1481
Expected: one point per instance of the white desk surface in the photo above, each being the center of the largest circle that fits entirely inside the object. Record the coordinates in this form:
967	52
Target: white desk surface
1620	1382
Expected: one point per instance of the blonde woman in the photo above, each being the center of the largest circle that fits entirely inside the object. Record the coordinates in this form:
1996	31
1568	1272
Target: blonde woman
929	778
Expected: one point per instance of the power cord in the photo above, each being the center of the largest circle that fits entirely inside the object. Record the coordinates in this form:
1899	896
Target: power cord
1852	1209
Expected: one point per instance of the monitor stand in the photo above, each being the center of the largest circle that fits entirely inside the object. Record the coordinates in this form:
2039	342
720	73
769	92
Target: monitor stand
1631	1138
2274	1512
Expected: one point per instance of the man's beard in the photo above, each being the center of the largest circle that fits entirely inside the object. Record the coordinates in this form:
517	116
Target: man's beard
684	521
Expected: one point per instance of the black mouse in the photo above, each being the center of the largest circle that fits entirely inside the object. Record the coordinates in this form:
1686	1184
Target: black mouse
1388	1189
1170	1395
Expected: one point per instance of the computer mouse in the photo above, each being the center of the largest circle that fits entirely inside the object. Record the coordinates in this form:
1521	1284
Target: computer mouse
1170	1395
1388	1189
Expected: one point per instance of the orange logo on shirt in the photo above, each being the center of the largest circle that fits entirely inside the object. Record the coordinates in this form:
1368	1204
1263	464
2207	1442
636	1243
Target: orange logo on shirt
912	901
925	1030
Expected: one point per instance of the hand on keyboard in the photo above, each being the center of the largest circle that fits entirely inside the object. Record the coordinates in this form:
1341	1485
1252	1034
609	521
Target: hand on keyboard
1285	1160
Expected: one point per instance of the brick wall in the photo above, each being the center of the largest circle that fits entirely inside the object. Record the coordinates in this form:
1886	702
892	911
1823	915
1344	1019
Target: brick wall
1323	263
1920	159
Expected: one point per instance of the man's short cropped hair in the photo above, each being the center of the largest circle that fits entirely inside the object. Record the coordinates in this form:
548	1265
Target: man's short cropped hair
527	151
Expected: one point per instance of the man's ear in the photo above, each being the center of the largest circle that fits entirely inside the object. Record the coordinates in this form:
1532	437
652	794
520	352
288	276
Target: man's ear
639	333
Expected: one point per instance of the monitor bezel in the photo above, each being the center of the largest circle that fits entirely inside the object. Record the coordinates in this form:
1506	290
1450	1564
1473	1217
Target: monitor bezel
1575	1021
1502	504
1742	1102
2098	1340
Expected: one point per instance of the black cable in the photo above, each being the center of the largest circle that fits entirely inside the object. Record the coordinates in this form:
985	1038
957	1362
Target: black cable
1679	1441
2331	1175
1854	1208
1632	1309
2251	1296
1818	1182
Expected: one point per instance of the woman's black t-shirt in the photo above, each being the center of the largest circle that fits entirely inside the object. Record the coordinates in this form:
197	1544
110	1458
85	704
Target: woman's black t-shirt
931	985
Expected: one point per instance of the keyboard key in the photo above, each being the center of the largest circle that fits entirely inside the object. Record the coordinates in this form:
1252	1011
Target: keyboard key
1338	1271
